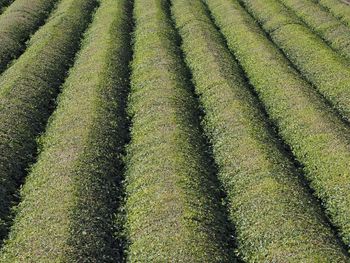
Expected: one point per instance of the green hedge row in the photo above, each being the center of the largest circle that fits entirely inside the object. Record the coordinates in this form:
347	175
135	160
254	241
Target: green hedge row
173	209
27	91
337	8
330	29
320	65
275	218
70	196
17	23
318	139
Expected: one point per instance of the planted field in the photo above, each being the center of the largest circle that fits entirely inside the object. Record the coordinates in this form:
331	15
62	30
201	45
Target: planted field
339	9
17	23
327	71
328	27
257	175
77	173
316	135
174	131
28	90
173	208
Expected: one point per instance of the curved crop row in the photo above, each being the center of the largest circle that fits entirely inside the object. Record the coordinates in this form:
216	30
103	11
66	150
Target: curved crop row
335	33
172	206
328	72
337	8
274	216
17	23
27	91
70	195
318	139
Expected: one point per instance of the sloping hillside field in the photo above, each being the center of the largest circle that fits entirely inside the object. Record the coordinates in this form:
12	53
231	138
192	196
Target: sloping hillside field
204	131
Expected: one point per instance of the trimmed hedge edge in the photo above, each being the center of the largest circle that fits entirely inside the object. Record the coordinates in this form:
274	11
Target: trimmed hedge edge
27	94
276	219
70	197
17	23
318	139
173	207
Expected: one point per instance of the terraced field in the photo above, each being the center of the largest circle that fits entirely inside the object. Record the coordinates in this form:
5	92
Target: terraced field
174	131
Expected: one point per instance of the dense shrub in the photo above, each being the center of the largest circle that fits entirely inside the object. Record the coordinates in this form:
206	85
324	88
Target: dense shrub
173	208
326	70
338	8
27	91
275	218
71	194
318	139
329	28
18	22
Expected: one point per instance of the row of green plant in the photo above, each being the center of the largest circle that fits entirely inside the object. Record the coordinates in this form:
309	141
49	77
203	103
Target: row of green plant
329	28
337	8
275	218
317	137
28	90
326	70
17	23
173	208
72	192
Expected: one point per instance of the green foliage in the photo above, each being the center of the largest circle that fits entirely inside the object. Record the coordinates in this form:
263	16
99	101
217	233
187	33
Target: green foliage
173	208
275	218
73	207
318	139
18	22
326	70
337	8
335	33
72	192
4	4
27	91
